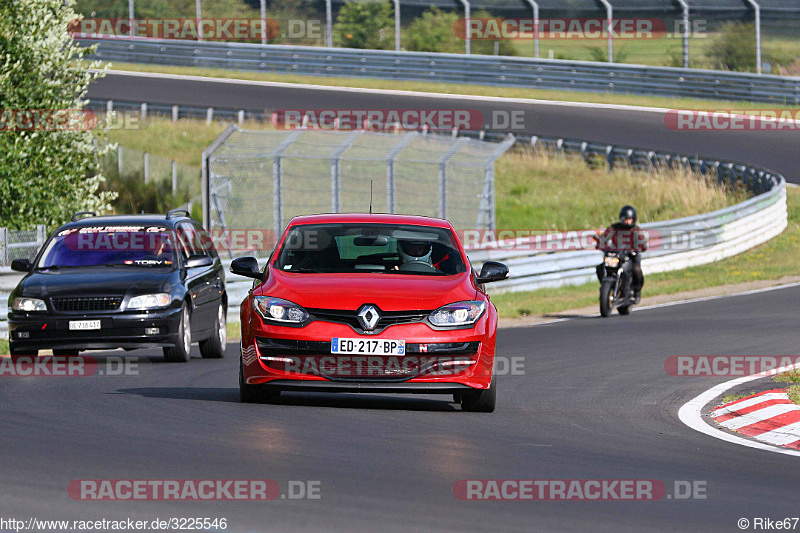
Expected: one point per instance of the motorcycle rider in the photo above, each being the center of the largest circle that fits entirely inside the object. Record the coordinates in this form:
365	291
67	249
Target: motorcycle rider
626	235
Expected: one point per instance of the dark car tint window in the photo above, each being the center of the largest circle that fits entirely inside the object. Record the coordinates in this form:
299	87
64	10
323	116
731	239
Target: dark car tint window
370	248
143	246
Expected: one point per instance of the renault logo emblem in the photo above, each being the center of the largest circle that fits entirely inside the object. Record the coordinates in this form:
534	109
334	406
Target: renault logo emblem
368	316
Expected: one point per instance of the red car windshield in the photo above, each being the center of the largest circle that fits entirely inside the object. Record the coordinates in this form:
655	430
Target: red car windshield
381	248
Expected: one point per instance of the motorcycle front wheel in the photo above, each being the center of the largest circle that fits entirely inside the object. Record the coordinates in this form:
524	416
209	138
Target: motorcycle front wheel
606	297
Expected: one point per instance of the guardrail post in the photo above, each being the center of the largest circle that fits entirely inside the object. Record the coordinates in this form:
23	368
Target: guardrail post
609	22
174	113
455	147
174	177
41	234
119	159
263	21
109	107
209	115
328	24
336	175
277	181
146	167
397	25
143	111
391	157
240	116
199	13
205	176
130	15
3	246
466	25
535	6
757	9
685	7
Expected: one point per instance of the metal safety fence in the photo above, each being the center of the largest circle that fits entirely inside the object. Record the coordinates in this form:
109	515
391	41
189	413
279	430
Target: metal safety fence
458	68
679	32
256	180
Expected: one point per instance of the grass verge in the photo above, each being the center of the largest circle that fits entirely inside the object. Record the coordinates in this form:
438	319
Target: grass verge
4	347
454	88
733	397
794	393
792	376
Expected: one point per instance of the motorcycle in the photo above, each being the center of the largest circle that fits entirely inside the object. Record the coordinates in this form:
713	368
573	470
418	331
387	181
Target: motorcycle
615	274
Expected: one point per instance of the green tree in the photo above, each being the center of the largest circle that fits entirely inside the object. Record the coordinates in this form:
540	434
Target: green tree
365	25
436	31
734	47
45	176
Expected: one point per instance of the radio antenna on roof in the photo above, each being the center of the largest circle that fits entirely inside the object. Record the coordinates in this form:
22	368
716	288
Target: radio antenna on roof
370	196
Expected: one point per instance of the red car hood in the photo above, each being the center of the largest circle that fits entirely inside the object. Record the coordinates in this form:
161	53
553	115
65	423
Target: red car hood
390	292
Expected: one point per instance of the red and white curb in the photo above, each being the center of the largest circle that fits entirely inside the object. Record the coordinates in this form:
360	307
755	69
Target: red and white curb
769	417
691	415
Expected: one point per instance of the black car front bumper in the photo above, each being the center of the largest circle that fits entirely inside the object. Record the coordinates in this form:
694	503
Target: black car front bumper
42	331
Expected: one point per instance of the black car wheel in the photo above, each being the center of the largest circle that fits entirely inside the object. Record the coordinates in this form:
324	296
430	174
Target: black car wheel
180	351
480	401
214	347
254	393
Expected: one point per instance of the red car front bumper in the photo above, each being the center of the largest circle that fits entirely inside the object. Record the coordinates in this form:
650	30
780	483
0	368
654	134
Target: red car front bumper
300	358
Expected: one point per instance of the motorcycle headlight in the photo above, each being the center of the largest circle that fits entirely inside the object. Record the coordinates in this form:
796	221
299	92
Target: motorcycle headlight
150	301
611	261
458	314
28	304
279	310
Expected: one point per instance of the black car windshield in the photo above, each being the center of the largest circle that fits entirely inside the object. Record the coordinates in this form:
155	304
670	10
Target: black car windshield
125	246
380	248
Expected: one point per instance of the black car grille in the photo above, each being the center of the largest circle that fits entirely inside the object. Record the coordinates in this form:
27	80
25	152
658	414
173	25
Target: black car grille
387	318
87	304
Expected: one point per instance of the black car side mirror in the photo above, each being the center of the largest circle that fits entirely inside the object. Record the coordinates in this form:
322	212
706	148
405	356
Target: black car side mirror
492	271
21	265
247	267
195	261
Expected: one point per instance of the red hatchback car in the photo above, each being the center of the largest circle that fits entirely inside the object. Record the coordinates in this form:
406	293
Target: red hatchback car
369	303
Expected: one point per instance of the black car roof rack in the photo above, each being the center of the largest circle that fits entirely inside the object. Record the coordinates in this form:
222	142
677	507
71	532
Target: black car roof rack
77	216
172	212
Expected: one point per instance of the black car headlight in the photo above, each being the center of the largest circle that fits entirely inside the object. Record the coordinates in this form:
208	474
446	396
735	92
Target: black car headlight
29	305
458	314
279	310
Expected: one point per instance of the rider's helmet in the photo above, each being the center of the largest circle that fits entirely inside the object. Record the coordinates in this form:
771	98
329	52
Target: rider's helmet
627	213
411	251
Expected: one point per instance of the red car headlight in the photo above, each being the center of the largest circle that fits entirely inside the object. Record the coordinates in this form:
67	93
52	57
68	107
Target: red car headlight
458	314
279	310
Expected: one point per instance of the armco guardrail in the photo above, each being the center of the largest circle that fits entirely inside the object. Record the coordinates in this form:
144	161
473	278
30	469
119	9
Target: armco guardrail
678	243
456	68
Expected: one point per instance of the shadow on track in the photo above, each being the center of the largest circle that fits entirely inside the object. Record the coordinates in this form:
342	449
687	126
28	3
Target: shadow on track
338	400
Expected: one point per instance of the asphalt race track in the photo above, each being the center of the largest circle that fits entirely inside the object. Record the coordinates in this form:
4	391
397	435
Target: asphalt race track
776	150
594	402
